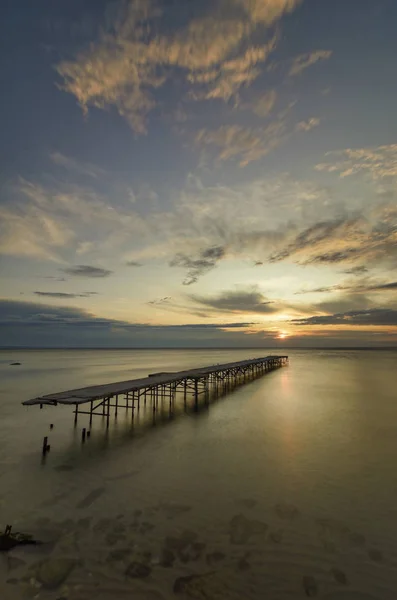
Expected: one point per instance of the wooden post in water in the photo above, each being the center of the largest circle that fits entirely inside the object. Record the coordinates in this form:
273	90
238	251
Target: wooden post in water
196	394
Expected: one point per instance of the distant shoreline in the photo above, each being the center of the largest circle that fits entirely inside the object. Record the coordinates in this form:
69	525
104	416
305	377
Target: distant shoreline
225	348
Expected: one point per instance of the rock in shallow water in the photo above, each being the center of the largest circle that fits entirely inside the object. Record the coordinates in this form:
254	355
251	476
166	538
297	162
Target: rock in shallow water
310	586
340	576
206	586
53	572
138	570
241	529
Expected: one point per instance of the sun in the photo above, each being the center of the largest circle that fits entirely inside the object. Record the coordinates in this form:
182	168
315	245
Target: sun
282	336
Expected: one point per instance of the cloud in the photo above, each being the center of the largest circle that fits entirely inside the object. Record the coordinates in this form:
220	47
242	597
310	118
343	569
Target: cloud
235	74
238	301
248	144
14	312
359	270
29	324
200	265
87	271
367	238
384	286
161	301
73	165
264	105
307	125
375	316
249	221
212	53
133	263
243	143
318	237
40	325
64	295
355	287
45	222
304	61
379	163
28	230
246	220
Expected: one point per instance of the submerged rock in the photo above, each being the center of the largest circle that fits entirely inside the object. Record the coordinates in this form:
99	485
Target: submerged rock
310	586
241	529
340	576
167	558
53	572
375	555
185	547
286	511
138	570
215	557
206	586
173	510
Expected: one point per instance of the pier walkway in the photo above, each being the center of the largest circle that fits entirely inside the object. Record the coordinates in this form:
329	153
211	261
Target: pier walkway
129	394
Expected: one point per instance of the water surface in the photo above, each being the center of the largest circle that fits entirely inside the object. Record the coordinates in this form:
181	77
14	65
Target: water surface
283	489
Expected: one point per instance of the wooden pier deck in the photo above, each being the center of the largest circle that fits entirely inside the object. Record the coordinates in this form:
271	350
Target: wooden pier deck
129	394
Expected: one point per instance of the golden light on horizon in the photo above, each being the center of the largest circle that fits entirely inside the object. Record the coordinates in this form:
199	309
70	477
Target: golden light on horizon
282	335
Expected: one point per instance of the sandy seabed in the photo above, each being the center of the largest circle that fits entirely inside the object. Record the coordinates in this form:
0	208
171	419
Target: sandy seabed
155	553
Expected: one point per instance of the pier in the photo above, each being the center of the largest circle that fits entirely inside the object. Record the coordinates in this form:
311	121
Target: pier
190	385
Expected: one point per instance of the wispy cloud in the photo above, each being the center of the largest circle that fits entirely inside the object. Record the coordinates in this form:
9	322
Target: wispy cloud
379	163
45	222
241	143
238	301
358	270
304	61
263	105
213	53
365	286
235	74
87	271
247	221
160	301
64	295
367	238
248	144
307	125
133	263
201	264
75	166
375	316
28	230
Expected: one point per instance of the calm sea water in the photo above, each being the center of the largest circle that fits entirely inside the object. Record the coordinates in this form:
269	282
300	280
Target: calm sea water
285	488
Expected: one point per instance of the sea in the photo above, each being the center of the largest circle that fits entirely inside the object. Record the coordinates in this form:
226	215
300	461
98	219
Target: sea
283	488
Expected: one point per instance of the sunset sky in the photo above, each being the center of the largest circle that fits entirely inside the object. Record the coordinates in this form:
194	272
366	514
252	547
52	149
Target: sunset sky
198	173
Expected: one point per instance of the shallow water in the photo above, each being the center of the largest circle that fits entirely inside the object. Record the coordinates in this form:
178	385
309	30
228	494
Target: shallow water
285	488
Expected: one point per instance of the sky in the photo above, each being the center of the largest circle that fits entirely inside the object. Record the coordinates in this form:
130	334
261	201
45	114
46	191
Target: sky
198	173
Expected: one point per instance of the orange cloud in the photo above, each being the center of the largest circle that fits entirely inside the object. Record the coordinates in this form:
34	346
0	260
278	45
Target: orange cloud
126	66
